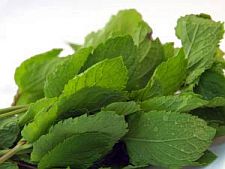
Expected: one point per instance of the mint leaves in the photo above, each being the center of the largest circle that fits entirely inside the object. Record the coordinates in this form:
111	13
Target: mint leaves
123	99
83	124
167	78
99	79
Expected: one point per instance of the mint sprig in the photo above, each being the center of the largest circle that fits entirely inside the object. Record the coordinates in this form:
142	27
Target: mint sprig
123	99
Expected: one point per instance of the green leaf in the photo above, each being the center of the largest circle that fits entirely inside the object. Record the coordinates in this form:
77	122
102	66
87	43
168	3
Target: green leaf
89	100
25	98
142	32
206	159
167	139
211	115
79	151
90	90
219	63
107	122
150	55
40	125
180	103
220	131
169	50
219	55
215	117
167	78
75	46
200	38
125	22
57	79
211	85
114	47
31	74
103	74
123	108
40	105
9	130
217	102
204	15
8	165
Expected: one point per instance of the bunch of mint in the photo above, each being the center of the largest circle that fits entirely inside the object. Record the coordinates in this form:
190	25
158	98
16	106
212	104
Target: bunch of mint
122	100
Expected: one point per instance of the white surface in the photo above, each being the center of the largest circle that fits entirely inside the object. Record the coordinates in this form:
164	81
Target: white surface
28	27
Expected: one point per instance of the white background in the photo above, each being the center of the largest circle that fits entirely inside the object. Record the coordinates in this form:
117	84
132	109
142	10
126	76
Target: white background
28	27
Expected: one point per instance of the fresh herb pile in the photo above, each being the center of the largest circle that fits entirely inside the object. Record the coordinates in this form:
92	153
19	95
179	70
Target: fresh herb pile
122	100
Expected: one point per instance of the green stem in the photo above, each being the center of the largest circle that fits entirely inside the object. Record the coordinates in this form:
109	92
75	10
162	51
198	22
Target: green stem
22	110
24	149
2	152
12	152
9	109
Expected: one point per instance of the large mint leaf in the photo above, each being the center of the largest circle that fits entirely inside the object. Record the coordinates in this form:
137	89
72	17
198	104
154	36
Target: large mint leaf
107	122
200	37
103	74
90	91
167	139
125	22
102	78
31	74
180	103
167	78
9	131
79	151
56	80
